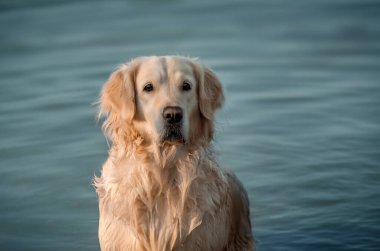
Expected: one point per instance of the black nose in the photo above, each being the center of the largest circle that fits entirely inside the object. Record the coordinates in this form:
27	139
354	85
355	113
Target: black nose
172	114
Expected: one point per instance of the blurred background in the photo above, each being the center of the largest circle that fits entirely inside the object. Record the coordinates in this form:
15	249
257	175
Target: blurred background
300	126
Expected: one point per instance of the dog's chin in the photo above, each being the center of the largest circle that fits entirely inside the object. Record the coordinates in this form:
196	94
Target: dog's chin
173	136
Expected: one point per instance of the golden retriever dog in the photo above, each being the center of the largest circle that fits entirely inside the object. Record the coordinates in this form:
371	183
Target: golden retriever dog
161	188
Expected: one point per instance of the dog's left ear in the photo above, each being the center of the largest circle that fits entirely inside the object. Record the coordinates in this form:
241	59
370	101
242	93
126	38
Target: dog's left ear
117	101
210	92
118	95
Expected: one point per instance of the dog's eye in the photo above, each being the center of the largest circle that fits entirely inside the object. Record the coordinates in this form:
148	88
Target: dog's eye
148	87
186	86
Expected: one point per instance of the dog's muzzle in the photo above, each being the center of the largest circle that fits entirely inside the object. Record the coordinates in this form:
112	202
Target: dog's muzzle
172	116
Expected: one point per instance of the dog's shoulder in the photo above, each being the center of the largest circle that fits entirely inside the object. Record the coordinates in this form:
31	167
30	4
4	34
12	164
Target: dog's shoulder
241	237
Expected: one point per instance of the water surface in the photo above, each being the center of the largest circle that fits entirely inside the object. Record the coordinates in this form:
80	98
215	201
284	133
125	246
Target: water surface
300	126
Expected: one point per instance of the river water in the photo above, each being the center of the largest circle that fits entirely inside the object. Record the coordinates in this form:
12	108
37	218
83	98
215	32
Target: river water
300	126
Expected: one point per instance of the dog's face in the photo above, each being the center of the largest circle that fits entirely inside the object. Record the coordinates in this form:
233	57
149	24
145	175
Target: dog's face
167	100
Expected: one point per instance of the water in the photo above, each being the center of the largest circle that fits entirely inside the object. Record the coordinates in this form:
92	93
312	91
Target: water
300	126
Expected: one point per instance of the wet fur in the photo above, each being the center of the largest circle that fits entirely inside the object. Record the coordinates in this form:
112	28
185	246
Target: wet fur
161	196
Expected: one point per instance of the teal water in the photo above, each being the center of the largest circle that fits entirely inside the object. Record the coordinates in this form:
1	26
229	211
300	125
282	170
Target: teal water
300	126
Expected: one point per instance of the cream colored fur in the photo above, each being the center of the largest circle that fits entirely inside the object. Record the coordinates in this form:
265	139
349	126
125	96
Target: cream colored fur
161	195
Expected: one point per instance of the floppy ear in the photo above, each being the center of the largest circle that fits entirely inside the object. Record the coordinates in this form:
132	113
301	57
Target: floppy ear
210	93
117	99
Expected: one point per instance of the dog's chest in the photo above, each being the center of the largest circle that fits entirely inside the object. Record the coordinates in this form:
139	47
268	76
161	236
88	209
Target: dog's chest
157	210
169	215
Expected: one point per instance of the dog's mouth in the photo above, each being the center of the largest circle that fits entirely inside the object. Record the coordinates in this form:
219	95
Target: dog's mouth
173	134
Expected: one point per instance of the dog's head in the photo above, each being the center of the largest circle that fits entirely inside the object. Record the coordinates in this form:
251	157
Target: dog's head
163	100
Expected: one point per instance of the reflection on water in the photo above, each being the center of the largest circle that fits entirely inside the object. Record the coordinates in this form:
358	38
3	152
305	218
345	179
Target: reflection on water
300	126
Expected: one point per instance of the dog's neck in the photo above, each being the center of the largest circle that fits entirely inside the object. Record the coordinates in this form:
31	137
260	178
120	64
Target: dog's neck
163	154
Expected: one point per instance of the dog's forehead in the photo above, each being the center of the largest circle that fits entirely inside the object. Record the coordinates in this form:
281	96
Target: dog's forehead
163	68
178	65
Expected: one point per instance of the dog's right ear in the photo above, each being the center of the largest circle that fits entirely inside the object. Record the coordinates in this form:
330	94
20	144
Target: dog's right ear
117	99
210	93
